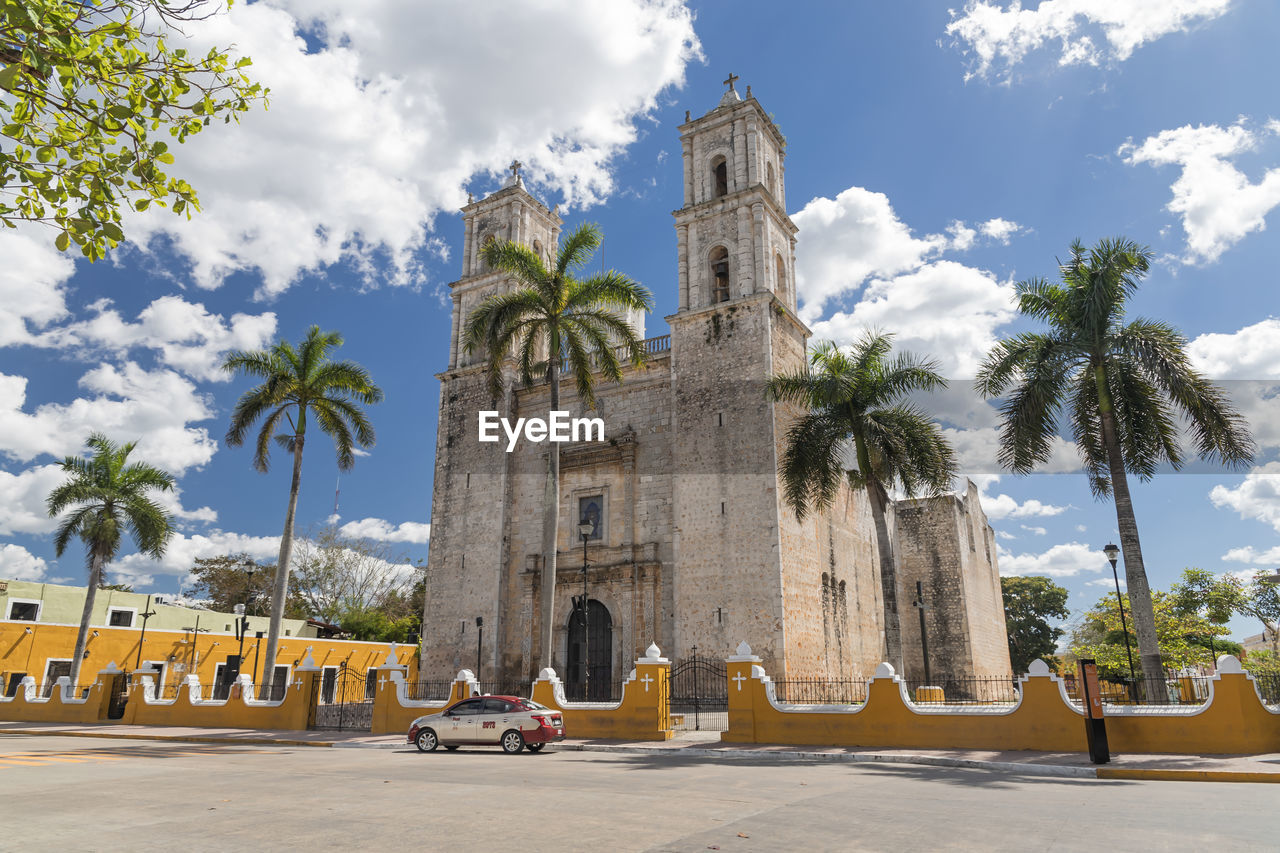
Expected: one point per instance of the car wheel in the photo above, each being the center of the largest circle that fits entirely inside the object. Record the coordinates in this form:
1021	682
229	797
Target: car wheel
534	747
451	746
512	742
427	741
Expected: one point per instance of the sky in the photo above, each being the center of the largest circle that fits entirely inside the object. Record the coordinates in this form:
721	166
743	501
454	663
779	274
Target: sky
937	154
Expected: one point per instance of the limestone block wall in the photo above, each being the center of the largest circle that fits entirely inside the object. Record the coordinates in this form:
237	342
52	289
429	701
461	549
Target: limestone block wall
466	552
628	567
728	578
943	542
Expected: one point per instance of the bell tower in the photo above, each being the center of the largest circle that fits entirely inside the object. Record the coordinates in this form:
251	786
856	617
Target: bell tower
513	214
733	235
735	328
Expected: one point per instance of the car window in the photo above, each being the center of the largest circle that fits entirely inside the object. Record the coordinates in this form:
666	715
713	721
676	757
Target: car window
471	706
496	706
533	706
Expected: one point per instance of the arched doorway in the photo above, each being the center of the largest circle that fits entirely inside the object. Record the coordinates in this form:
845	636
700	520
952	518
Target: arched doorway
598	652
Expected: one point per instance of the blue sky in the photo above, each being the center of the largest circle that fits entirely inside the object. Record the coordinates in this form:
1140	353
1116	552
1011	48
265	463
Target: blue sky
934	158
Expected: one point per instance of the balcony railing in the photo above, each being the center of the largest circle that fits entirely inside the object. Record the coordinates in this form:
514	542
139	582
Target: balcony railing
651	346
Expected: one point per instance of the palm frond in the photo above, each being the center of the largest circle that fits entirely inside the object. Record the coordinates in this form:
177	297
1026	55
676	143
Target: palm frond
578	247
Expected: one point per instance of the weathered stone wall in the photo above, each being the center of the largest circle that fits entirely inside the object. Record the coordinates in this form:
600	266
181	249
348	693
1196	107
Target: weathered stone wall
965	614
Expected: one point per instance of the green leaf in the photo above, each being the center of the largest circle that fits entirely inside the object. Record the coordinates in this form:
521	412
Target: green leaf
44	154
8	77
113	231
63	241
143	203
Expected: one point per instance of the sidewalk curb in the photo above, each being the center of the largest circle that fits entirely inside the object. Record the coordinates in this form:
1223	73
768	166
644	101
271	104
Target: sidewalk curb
1061	771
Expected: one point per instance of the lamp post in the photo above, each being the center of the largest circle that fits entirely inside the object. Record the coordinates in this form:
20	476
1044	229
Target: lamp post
479	643
924	634
147	613
585	529
1113	554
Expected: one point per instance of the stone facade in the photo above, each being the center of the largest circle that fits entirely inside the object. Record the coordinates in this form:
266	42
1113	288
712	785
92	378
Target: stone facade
693	546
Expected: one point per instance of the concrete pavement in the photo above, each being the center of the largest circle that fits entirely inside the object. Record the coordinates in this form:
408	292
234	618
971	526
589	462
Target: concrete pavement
706	745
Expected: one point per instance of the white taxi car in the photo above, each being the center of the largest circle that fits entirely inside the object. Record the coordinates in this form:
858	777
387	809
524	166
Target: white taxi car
510	721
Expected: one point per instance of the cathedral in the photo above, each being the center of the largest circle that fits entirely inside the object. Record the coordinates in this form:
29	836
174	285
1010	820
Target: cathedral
674	526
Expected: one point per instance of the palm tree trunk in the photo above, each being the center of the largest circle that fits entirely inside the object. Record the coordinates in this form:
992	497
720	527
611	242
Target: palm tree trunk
1135	574
550	517
282	568
888	575
82	635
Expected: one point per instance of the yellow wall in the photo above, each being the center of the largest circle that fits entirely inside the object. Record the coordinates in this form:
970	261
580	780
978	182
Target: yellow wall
1234	722
643	713
21	651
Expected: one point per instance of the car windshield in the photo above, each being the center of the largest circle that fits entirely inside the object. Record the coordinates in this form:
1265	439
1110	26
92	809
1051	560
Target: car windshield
534	706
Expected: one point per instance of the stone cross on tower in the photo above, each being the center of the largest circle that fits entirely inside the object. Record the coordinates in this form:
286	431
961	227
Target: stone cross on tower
515	169
729	82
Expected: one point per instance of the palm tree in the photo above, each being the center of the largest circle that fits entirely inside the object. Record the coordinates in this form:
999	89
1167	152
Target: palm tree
298	383
106	494
575	321
855	403
1124	385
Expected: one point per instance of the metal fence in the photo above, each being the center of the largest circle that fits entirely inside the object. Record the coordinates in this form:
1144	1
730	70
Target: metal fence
600	691
964	691
428	691
1269	687
505	688
813	691
1173	689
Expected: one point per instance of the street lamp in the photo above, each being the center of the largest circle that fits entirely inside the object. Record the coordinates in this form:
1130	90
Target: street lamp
1113	554
585	529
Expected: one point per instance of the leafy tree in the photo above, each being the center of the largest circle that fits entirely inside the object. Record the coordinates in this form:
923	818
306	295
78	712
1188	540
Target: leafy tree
1123	386
854	401
297	384
1221	596
1183	636
1262	662
1029	604
376	626
230	579
118	587
102	496
575	322
335	576
87	88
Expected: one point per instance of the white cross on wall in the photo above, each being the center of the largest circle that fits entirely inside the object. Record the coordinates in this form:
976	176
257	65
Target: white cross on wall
739	678
648	679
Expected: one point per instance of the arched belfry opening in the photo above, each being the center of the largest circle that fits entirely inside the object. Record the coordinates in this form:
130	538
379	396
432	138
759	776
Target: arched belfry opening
719	177
590	648
719	259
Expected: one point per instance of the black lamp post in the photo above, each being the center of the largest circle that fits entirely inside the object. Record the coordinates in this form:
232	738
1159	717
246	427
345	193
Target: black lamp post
479	643
585	529
924	634
1113	554
147	613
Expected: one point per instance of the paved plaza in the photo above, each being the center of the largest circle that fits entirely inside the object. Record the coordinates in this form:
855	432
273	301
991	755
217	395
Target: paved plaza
93	793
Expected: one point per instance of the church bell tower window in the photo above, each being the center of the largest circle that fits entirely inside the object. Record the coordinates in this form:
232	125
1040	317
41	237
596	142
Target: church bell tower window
719	177
719	274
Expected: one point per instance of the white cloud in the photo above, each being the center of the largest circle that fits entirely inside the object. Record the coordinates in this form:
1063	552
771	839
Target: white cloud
129	403
944	309
185	335
31	280
976	456
1003	506
182	550
378	129
383	531
1038	531
1005	535
999	38
1257	497
1216	201
1251	353
19	564
1060	561
1249	554
22	500
1109	583
1000	230
1080	528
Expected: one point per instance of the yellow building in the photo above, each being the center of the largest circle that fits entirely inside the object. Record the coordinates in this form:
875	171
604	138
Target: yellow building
38	624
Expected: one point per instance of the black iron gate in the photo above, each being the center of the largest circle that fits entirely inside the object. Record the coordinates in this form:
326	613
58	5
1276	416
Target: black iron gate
699	698
344	699
119	696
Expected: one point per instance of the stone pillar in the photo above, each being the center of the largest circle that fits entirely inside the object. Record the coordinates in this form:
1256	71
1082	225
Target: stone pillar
686	146
741	670
464	686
